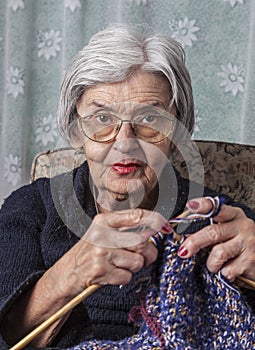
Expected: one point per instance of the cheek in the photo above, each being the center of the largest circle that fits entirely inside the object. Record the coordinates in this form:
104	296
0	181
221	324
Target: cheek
157	155
95	154
94	151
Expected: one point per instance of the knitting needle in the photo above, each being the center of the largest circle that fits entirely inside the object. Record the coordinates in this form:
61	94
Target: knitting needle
179	237
60	313
247	281
84	294
66	308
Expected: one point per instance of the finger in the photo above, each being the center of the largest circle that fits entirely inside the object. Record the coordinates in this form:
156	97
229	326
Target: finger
132	218
103	232
127	260
147	250
108	237
229	213
222	253
204	205
239	267
116	276
232	269
243	264
104	262
208	236
200	205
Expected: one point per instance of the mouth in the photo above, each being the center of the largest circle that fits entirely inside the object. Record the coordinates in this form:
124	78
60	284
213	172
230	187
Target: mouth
125	168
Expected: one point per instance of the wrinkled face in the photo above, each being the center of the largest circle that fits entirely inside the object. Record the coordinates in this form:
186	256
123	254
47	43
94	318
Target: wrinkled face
126	169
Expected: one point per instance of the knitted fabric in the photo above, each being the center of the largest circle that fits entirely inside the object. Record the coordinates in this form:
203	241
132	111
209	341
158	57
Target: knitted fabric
187	307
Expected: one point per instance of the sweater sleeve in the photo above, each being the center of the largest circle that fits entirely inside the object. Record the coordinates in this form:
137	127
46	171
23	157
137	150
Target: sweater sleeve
21	219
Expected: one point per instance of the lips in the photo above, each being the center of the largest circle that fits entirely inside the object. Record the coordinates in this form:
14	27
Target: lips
123	168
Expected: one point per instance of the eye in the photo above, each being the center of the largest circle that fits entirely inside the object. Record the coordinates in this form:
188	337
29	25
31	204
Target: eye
104	119
149	119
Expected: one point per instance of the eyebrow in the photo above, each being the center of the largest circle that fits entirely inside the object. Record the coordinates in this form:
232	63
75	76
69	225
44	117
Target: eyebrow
101	105
105	107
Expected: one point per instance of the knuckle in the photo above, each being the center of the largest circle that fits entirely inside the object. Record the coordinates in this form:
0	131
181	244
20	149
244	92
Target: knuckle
98	218
125	278
239	211
118	277
157	217
219	252
233	270
154	253
153	257
98	271
214	233
136	215
99	252
249	245
229	274
138	263
248	225
140	247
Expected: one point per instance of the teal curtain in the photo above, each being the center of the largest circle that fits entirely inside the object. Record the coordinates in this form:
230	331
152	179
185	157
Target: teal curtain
38	39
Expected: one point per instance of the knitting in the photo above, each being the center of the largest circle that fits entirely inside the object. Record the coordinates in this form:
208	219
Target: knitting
187	307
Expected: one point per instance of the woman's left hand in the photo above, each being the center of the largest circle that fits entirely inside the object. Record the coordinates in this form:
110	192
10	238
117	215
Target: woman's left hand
231	240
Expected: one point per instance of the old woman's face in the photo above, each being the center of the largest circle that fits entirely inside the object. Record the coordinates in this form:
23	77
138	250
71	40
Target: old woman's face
125	170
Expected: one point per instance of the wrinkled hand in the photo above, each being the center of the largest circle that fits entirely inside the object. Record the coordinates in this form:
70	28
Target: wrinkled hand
107	253
231	239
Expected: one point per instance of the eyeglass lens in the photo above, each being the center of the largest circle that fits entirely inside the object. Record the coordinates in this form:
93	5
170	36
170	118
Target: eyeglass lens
150	128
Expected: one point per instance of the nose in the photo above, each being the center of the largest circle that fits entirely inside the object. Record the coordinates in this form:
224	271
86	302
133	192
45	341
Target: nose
125	140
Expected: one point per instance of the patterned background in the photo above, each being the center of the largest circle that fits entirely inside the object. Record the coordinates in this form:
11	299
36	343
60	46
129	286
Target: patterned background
38	39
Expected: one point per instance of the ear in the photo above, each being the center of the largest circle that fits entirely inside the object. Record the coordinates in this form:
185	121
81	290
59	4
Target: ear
76	137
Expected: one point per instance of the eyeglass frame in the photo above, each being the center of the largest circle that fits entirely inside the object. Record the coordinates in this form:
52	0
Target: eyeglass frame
120	125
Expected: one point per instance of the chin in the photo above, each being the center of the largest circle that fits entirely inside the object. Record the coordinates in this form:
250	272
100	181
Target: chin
128	187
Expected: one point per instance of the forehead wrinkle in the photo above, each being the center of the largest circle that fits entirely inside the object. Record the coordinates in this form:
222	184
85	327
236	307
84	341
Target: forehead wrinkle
108	100
145	88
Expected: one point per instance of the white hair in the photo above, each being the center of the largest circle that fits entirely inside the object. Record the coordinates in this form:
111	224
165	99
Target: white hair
113	55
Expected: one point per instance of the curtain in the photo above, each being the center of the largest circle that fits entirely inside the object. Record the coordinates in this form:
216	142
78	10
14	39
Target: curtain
39	38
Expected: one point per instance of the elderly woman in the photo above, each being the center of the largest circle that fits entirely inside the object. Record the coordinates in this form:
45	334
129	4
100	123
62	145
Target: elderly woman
127	101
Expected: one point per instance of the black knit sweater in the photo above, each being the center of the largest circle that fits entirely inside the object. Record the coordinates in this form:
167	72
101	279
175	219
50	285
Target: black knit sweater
39	223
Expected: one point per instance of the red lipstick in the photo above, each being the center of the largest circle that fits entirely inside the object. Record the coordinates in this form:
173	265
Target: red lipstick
125	168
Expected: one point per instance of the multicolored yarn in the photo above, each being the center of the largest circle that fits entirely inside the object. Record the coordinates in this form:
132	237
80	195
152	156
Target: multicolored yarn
187	307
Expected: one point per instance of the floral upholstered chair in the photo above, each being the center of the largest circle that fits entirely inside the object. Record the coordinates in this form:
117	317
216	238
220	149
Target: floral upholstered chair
228	168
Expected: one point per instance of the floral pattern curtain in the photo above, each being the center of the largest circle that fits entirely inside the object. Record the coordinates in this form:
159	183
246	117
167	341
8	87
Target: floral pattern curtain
38	39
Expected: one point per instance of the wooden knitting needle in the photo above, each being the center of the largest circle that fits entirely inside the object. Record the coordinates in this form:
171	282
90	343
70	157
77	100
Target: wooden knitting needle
60	313
66	308
83	295
247	281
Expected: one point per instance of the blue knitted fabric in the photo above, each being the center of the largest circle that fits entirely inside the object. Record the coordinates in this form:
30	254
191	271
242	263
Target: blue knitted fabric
187	307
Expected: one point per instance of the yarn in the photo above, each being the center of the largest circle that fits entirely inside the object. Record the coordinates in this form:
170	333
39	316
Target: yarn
187	307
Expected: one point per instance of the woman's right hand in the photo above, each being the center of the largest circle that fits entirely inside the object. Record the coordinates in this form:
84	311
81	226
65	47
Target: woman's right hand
110	251
106	254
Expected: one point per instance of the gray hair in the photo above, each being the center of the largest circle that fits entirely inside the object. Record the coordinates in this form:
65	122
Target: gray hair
113	55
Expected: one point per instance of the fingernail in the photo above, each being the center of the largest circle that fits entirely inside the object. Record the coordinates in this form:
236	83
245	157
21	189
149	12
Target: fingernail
193	205
182	251
167	227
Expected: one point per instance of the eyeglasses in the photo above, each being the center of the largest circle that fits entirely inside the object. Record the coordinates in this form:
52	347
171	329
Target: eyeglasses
150	127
